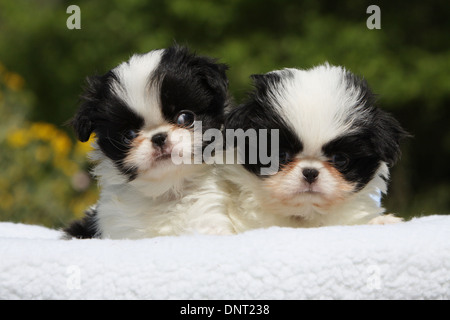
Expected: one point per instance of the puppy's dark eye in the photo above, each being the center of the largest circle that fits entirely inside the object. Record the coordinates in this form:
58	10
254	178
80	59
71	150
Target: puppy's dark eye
284	157
340	160
129	135
185	119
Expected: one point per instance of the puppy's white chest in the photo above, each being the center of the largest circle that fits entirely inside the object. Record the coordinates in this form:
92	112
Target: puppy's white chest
131	215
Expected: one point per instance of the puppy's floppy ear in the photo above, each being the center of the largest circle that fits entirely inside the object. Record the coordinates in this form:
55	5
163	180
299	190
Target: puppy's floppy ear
259	80
84	121
262	81
387	137
246	115
214	75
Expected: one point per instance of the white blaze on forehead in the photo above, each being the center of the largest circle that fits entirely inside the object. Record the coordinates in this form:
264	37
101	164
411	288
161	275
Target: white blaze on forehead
317	103
133	87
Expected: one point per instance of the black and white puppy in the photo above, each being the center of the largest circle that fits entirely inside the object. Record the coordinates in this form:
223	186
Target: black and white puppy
335	150
139	111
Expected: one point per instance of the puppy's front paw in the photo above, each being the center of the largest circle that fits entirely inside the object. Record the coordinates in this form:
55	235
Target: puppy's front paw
386	219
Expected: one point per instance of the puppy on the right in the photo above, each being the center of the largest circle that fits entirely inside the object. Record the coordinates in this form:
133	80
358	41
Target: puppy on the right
335	148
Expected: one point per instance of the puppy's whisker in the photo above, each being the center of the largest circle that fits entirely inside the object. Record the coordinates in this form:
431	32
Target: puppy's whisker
123	148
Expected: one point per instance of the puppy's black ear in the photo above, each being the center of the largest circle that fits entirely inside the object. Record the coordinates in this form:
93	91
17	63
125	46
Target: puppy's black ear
259	80
84	121
215	77
387	137
247	115
265	83
273	78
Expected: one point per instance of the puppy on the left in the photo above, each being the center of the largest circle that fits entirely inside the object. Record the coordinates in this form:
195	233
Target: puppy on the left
139	112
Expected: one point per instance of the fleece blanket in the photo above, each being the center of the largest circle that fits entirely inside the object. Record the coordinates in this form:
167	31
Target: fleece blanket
409	260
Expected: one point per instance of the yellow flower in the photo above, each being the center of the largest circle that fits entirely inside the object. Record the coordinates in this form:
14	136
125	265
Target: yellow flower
43	130
13	81
61	144
18	138
82	148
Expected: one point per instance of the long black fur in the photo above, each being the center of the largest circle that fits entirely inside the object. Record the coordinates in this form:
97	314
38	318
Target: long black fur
85	228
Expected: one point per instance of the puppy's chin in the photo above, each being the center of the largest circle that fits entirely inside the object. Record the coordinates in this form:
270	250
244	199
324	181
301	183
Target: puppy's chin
164	169
294	193
160	175
168	159
158	167
165	166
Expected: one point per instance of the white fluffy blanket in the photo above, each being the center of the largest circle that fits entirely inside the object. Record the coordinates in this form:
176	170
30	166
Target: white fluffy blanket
403	261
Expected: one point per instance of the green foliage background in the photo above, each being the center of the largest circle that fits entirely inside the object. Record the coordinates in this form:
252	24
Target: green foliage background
43	66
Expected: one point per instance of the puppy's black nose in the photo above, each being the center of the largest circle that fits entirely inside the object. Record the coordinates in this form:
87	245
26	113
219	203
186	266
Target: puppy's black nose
159	139
310	174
